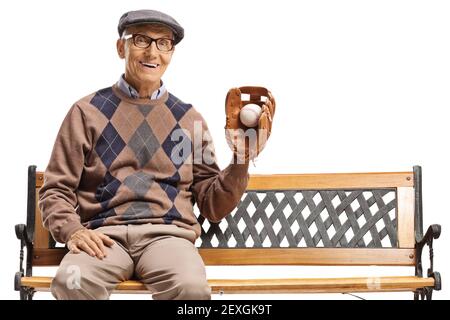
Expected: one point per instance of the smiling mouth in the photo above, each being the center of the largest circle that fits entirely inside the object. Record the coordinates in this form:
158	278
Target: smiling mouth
149	65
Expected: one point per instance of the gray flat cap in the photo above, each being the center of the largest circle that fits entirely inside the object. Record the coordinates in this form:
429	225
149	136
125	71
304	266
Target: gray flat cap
150	16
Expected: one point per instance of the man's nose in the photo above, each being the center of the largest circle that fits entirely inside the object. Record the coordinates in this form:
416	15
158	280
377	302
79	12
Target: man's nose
152	49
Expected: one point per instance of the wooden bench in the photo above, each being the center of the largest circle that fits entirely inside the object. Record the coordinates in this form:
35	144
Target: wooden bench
354	219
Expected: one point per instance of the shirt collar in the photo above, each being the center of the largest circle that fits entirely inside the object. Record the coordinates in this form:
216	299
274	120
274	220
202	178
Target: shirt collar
131	92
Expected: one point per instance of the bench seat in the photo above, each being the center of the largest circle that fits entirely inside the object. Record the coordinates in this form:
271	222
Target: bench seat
306	285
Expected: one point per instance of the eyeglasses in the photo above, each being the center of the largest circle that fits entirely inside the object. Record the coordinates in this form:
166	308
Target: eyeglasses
144	42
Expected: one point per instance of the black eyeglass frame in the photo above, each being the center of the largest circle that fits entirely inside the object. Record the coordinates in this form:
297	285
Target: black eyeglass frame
150	40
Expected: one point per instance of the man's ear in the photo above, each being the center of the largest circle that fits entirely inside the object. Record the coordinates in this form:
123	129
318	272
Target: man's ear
120	44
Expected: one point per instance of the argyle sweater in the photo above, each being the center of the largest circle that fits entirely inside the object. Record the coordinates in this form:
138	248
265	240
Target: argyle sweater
118	160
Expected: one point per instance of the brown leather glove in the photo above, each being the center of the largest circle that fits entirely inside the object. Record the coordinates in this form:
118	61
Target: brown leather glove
236	133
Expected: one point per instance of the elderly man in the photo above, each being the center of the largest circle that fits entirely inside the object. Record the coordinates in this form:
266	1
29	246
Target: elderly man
120	186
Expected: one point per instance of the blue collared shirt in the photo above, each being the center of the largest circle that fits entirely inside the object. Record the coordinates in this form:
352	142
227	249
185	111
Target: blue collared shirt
130	91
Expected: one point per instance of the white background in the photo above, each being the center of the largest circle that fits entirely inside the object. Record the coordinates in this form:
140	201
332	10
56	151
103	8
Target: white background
361	86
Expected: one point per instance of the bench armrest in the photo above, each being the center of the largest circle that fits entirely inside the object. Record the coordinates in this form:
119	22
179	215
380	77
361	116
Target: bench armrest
21	233
433	232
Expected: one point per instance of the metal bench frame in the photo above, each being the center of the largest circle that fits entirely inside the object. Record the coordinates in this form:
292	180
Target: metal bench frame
262	231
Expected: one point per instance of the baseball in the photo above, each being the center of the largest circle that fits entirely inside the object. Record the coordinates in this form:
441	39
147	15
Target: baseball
249	114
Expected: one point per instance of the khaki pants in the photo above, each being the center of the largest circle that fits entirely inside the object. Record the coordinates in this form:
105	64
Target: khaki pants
163	257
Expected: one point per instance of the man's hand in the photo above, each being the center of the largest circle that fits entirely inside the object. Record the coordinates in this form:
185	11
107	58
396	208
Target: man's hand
90	241
247	142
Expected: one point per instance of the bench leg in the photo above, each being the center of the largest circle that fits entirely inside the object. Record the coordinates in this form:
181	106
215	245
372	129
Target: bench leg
26	293
423	294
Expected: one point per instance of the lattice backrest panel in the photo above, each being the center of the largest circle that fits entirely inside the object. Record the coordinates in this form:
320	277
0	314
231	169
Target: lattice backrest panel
307	218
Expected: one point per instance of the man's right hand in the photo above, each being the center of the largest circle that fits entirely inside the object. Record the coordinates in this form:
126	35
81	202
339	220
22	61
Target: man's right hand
90	241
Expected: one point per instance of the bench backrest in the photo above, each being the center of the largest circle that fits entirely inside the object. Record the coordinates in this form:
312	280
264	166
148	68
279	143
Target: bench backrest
297	219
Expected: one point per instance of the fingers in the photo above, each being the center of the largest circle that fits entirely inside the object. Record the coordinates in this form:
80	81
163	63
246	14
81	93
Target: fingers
232	108
75	250
72	247
271	98
270	107
96	244
91	242
106	240
271	103
263	119
85	247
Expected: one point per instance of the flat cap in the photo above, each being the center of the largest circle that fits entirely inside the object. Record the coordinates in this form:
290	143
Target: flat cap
150	16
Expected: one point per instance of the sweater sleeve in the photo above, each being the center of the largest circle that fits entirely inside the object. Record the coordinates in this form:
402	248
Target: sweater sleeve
57	196
217	192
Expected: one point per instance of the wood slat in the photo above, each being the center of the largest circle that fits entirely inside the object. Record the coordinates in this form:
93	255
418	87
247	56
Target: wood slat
48	257
323	285
405	198
309	256
307	285
294	256
318	181
331	181
39	179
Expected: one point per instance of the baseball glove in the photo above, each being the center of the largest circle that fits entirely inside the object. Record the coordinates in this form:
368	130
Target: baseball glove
246	143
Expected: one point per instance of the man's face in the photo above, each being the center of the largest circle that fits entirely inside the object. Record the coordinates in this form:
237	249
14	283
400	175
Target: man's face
137	70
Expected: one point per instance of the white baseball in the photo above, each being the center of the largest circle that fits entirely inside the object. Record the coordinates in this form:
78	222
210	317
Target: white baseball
250	114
